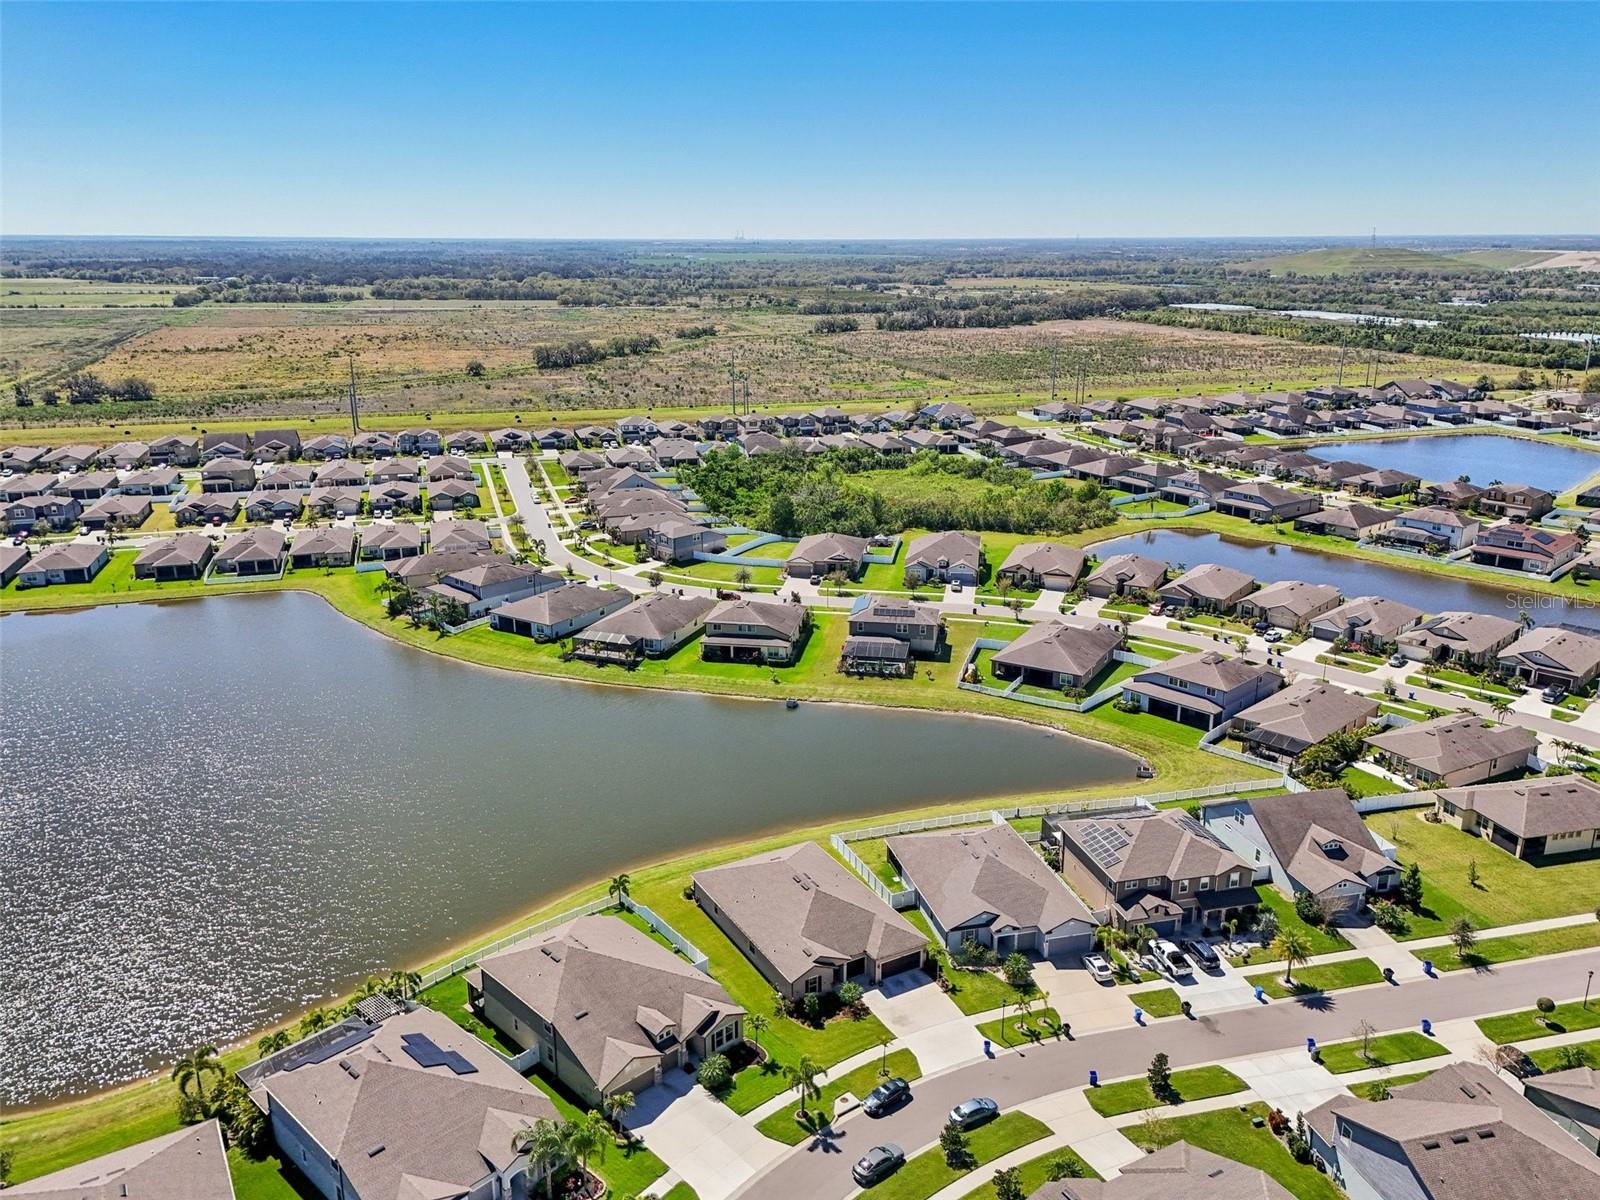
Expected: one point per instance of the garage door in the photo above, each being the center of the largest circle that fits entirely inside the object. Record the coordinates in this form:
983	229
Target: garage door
906	962
1069	943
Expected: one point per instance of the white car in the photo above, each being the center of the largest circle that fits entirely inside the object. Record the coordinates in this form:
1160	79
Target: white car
1099	969
1174	962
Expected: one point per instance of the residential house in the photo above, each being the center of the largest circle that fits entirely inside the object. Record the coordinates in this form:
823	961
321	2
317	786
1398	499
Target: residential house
273	506
758	631
618	479
126	456
607	1008
253	552
1518	501
330	546
1209	587
951	557
920	626
806	923
1529	818
1202	689
155	481
190	1163
1291	721
196	509
336	502
395	497
1455	750
12	559
64	562
228	475
451	494
1457	493
1160	868
450	467
985	885
418	441
561	611
552	437
1468	639
1125	575
388	541
1372	622
1177	1169
1194	487
466	441
1050	566
885	443
487	583
175	450
119	512
670	453
1289	604
1308	842
373	444
403	470
34	483
675	539
1063	653
1529	548
1262	502
1553	654
224	445
1437	529
1357	522
1460	1133
341	475
400	1105
286	477
42	512
821	554
652	626
459	533
21	458
275	445
183	556
77	457
636	428
86	485
1571	1099
325	446
946	415
1382	482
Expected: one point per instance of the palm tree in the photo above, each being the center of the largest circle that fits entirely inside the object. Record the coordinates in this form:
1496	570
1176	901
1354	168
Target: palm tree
1500	706
616	1104
313	1021
757	1025
802	1076
271	1043
402	984
742	577
192	1068
545	1144
1294	948
585	1135
618	891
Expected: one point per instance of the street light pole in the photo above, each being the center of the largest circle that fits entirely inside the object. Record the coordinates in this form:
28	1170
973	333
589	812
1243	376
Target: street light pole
1586	984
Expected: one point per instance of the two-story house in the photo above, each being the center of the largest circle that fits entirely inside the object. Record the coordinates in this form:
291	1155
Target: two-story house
1203	689
1529	548
1261	501
755	631
1436	529
1518	501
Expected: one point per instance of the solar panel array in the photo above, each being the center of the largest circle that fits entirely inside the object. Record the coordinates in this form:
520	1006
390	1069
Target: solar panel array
1105	843
426	1053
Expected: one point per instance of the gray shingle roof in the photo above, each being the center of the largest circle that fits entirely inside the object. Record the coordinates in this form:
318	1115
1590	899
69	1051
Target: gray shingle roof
1160	845
963	874
187	1164
1178	1170
1454	742
1533	807
1070	645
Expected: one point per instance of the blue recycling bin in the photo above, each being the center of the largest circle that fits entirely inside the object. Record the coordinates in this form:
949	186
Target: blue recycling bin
1427	967
1427	1027
1138	1015
1311	1046
1094	1078
986	1049
1261	992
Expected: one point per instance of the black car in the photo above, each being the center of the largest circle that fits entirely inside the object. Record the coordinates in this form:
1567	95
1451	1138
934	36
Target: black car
878	1164
886	1097
972	1113
1203	954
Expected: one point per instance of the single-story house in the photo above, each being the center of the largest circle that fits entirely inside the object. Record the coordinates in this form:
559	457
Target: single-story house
987	885
825	553
758	631
1177	1169
86	485
1571	1099
606	1007
1554	654
331	546
397	496
1289	604
397	470
286	476
336	502
1355	521
1383	481
154	481
1210	587
341	475
1293	720
64	562
1061	653
466	441
1309	842
385	541
124	512
1371	621
199	509
1470	639
187	1164
558	612
950	557
805	922
1530	818
1455	750
273	506
1047	565
12	560
253	552
450	467
183	556
449	494
459	533
651	627
1125	575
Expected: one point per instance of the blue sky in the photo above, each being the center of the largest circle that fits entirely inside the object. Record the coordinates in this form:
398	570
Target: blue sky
815	120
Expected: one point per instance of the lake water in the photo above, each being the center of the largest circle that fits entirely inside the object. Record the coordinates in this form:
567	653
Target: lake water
215	813
1481	457
1270	561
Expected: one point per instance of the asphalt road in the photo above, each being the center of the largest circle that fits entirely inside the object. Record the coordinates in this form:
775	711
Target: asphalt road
817	1170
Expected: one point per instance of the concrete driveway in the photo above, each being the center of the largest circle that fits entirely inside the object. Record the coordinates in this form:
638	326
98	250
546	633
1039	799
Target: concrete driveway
925	1021
703	1140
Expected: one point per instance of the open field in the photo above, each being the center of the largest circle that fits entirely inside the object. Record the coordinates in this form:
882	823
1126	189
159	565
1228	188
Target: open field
1351	260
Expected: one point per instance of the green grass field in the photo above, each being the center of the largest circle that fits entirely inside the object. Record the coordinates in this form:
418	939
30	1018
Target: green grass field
1158	1002
1384	1051
927	1173
1531	1023
1131	1095
1328	977
1229	1133
1036	1172
1508	949
783	1125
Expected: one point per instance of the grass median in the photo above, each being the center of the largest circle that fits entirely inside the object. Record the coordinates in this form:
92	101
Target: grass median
928	1173
1531	1023
1131	1095
1384	1051
784	1125
1328	977
1508	949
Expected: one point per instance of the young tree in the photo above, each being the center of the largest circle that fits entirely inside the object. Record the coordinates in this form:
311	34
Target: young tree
1364	1030
1472	872
953	1144
1266	926
1159	1077
1008	1185
618	889
1463	936
1294	948
1411	887
714	1073
757	1025
742	577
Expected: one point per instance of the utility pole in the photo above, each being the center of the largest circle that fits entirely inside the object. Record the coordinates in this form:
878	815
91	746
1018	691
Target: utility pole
1343	346
1055	355
355	410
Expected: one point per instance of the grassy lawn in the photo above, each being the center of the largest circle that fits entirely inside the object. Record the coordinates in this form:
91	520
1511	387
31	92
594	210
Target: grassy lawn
627	1169
1158	1002
1509	890
1367	784
1119	723
1549	1059
928	1173
973	991
1460	679
1385	1051
1524	1025
1329	977
681	1191
265	1179
449	997
782	1125
1035	1173
1131	1095
1036	1026
1369	1090
718	572
1322	941
1508	949
779	550
1160	651
1228	1132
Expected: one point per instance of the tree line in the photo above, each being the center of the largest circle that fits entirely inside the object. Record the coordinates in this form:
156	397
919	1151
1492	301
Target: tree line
82	387
579	352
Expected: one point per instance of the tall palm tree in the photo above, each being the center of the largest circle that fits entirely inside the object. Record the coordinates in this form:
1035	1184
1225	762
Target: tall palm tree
402	985
802	1076
619	889
273	1042
192	1068
616	1104
757	1025
313	1021
585	1135
1500	706
1294	948
545	1144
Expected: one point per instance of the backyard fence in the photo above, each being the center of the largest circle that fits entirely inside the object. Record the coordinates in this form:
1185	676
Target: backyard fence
1390	802
896	898
1011	690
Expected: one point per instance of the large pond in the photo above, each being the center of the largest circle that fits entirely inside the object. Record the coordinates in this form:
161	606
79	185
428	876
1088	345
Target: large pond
215	813
1271	561
1481	457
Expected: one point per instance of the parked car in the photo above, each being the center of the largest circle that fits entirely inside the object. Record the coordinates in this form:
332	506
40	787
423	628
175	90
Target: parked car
1272	635
886	1097
1203	954
955	586
878	1164
1099	969
1554	694
971	1113
1397	660
1172	960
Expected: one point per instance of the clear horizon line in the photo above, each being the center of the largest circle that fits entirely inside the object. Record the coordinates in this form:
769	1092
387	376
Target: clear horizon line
1096	237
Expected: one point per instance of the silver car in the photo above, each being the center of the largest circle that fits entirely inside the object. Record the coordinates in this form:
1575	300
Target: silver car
971	1113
